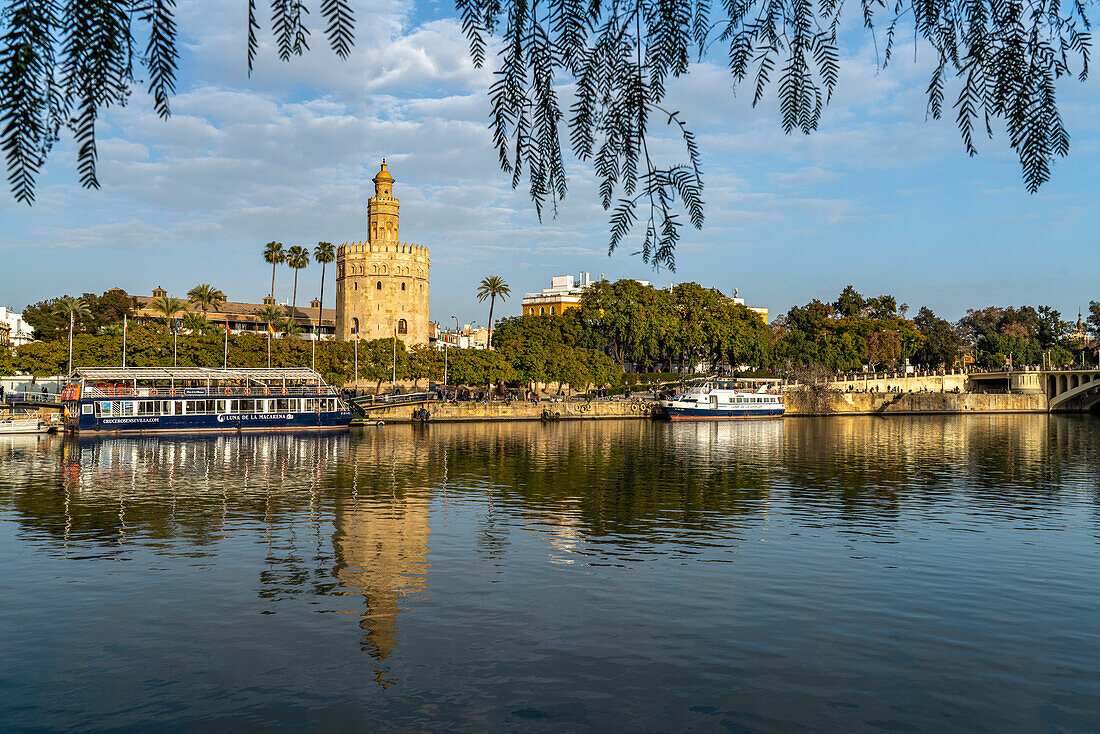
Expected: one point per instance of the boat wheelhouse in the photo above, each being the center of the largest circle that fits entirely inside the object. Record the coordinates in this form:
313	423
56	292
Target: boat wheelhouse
722	400
152	399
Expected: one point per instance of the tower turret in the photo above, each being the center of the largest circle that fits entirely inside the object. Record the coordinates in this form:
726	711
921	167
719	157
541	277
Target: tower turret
383	210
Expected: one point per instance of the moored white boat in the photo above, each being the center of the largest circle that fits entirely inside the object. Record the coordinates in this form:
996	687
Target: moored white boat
721	400
25	424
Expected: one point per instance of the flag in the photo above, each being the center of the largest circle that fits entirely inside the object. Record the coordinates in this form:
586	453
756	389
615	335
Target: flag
270	328
124	326
72	318
227	327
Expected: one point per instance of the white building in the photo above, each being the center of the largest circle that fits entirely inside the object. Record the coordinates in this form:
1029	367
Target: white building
468	337
21	331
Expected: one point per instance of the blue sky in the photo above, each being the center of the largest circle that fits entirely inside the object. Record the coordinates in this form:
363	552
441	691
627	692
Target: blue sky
881	197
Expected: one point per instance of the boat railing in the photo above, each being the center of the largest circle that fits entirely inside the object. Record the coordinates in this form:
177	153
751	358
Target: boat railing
236	391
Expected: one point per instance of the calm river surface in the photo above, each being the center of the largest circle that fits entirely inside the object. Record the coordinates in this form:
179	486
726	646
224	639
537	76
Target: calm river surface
844	574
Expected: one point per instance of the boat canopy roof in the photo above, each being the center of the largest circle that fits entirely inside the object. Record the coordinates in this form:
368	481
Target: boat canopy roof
132	374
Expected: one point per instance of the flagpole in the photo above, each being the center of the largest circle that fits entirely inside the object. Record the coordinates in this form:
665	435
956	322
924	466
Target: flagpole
393	382
269	346
225	355
357	363
124	329
72	322
175	341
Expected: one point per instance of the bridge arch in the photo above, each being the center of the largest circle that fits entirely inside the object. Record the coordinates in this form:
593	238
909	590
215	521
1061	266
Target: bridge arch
1084	389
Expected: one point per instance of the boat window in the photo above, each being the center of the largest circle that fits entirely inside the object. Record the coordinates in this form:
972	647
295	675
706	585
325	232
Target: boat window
87	409
282	405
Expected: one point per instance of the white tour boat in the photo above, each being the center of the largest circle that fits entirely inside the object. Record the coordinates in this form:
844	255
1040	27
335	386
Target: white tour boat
721	400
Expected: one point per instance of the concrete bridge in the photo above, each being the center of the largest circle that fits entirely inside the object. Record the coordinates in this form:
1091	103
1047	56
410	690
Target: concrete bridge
1070	389
1073	389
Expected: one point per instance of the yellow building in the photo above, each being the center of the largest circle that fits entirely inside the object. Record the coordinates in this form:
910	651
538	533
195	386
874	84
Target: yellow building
758	310
563	294
382	284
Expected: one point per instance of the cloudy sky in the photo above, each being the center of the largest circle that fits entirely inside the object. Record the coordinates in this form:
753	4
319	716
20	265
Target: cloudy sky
881	197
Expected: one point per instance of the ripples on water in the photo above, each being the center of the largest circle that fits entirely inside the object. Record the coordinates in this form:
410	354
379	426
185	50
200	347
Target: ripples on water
933	574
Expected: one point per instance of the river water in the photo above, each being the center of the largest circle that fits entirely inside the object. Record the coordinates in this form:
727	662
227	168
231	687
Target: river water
841	574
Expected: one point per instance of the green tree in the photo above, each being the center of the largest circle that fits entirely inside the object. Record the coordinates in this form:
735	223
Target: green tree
274	255
288	326
324	253
197	323
850	304
297	257
206	297
271	316
72	309
941	342
108	308
492	287
169	308
47	323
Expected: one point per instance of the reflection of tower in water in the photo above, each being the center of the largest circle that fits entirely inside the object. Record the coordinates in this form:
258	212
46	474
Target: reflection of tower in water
381	543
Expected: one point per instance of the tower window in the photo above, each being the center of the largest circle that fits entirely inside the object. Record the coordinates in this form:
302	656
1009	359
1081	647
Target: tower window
378	286
402	286
402	326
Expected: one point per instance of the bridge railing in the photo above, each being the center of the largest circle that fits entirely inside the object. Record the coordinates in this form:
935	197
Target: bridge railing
29	397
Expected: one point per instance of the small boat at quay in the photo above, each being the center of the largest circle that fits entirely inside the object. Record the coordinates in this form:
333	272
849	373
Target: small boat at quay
28	423
173	399
718	400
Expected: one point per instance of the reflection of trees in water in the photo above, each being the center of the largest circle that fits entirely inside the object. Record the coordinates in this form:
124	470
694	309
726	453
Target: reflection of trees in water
622	483
882	465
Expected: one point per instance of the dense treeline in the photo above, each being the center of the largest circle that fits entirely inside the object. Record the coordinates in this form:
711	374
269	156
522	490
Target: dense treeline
621	325
690	326
152	347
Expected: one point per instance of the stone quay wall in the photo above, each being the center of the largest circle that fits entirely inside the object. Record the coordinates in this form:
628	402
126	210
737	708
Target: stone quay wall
884	403
842	404
514	411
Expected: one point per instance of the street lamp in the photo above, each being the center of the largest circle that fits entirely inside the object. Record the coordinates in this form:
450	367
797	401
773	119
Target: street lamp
446	349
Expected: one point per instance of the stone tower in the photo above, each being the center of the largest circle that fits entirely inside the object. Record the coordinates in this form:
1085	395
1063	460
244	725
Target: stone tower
382	284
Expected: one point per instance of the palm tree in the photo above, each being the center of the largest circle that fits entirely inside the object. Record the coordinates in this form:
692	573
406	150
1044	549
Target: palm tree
288	326
270	315
323	253
72	308
168	307
273	253
197	323
297	257
205	296
492	287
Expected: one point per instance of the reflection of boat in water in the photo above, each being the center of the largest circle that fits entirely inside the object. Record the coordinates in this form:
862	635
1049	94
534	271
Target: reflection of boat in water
721	400
153	399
